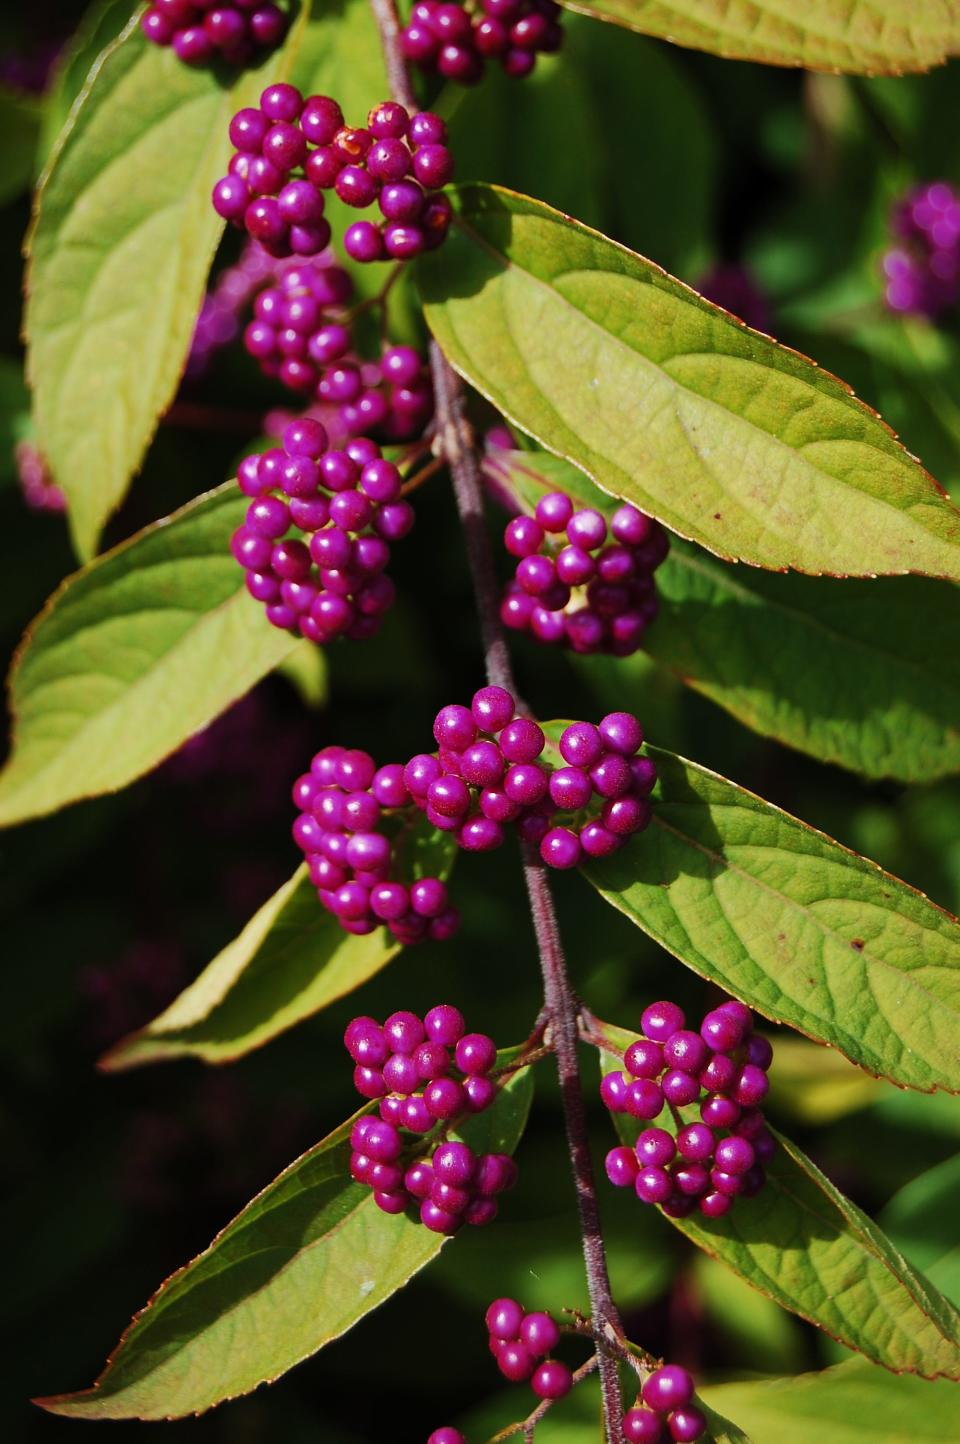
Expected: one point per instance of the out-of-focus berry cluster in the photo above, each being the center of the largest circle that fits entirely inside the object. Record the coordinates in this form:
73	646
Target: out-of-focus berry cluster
38	488
291	150
922	272
348	507
344	799
219	321
456	41
723	1067
581	580
200	31
520	1343
301	334
426	1073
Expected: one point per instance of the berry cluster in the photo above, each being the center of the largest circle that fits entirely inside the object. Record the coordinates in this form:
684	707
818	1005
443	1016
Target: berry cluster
580	580
448	38
348	506
715	1160
518	1340
487	774
343	799
291	150
667	1397
300	333
408	1064
923	272
218	322
203	30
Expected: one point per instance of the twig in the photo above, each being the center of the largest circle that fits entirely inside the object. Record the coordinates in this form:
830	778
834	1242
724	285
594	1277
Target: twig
527	1426
454	442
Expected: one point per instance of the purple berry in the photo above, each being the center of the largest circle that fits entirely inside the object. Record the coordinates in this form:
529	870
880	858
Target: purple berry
687	1050
643	1099
503	1319
655	1147
539	1334
695	1141
653	1184
551	1380
686	1425
642	1426
444	1024
667	1388
661	1020
622	1167
475	1053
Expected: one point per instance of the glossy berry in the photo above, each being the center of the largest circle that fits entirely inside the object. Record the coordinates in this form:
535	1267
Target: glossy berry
446	1434
551	1380
667	1388
642	1426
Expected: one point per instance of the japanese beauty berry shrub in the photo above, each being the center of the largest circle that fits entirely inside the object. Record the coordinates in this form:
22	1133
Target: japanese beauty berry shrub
388	289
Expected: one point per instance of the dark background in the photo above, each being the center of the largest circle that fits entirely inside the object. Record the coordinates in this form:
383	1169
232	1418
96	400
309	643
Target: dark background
109	1183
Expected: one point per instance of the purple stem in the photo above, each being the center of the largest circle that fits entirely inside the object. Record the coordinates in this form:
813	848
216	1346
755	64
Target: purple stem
454	441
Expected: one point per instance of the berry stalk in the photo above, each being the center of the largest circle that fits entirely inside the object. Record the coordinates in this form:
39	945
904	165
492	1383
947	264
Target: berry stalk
454	441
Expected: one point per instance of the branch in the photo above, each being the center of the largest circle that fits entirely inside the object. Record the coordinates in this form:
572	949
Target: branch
528	1425
454	441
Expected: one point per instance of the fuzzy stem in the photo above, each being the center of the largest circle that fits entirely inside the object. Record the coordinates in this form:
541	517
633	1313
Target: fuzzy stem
454	442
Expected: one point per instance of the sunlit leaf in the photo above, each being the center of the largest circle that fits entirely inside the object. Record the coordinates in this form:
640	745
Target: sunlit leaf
886	37
131	656
727	437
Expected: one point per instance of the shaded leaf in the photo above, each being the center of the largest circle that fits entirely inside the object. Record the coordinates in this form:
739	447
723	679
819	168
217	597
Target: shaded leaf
119	254
340	54
131	656
727	437
291	960
800	928
888	37
854	1403
922	1218
862	673
817	1087
805	1245
299	1266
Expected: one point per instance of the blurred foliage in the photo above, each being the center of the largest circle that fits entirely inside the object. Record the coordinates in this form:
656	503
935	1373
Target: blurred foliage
112	1182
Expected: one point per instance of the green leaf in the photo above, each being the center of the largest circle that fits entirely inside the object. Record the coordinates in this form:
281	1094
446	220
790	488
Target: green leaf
862	673
131	656
291	960
805	1245
727	437
921	1218
817	1087
119	254
304	1261
887	37
101	24
306	669
341	55
800	928
854	1403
